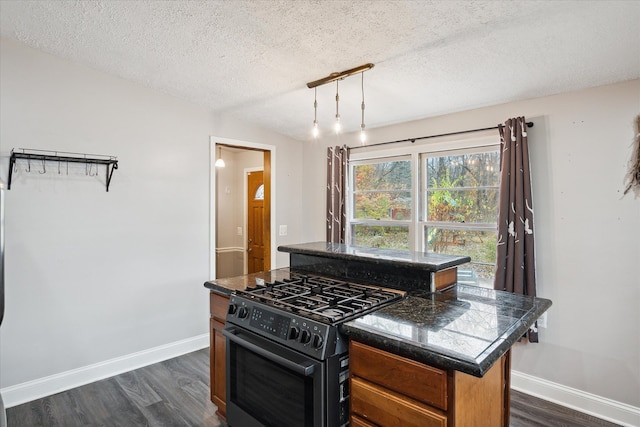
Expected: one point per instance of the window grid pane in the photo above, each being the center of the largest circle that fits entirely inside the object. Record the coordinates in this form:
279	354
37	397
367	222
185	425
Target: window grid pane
379	236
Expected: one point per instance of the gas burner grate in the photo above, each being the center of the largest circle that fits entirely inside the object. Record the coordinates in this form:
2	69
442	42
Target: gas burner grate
324	299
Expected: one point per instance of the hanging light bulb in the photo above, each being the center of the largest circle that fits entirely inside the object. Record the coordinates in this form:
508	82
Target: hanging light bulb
219	163
363	136
315	130
338	125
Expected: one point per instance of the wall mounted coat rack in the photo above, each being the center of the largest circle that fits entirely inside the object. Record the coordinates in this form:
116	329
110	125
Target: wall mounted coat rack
61	157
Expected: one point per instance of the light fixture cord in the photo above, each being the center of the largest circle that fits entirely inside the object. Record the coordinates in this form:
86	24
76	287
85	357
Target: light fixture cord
362	106
337	99
315	105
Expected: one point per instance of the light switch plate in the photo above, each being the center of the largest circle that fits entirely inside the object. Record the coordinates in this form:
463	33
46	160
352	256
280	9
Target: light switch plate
283	230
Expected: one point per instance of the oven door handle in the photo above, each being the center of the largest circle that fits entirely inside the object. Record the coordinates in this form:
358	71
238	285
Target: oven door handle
305	369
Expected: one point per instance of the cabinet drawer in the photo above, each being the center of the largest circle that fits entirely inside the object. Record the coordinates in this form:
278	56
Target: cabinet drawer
389	409
356	421
219	306
414	379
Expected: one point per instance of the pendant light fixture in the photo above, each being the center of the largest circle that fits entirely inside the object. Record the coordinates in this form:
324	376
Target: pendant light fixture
338	125
315	130
337	77
219	162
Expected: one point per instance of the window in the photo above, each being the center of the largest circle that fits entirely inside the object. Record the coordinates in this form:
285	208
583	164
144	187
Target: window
259	193
443	201
460	201
381	203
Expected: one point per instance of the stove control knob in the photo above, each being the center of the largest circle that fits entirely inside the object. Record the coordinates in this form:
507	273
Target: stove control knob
317	341
294	332
232	308
242	312
305	337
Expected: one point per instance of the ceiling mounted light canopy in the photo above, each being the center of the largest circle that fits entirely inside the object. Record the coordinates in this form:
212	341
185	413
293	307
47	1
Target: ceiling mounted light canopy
336	77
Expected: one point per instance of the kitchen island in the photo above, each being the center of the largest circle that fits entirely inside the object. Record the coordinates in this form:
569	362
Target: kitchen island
437	357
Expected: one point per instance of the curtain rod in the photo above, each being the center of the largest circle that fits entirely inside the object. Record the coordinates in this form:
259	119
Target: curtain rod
412	140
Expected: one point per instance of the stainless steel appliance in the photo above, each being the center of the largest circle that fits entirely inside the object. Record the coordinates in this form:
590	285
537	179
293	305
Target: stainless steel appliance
287	362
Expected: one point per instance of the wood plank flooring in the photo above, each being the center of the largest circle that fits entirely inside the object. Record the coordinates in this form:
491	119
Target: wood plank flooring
170	393
175	393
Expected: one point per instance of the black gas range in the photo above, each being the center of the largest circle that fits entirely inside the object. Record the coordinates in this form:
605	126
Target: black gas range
283	339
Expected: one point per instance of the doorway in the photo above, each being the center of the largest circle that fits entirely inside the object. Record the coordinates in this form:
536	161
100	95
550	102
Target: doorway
240	242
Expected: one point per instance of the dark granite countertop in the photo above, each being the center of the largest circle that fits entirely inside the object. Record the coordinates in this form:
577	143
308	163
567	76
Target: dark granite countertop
227	285
423	261
465	328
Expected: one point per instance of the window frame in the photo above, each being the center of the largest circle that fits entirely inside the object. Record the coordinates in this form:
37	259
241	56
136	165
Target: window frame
352	221
437	147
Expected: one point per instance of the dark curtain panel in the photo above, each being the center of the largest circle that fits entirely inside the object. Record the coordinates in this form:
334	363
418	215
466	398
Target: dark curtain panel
515	269
337	159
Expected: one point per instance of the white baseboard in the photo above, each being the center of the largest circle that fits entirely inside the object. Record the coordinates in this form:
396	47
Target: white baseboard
597	406
36	389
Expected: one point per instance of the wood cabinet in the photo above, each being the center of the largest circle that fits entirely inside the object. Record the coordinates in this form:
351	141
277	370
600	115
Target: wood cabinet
217	349
388	390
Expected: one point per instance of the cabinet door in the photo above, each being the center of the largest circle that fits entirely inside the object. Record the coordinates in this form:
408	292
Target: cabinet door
218	369
219	305
387	408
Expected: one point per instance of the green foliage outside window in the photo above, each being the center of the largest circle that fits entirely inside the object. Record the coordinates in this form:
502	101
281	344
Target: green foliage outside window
382	191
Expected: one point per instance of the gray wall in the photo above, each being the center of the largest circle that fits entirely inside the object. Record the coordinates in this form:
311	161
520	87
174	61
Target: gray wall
90	275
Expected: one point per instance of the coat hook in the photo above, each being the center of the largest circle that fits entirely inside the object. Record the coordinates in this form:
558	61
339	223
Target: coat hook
28	169
58	163
44	169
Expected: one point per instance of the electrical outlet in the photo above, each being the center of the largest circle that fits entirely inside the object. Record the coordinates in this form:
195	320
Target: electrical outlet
283	230
542	320
239	231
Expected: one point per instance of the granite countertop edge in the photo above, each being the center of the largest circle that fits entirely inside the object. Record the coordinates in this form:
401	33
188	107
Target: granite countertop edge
379	256
218	289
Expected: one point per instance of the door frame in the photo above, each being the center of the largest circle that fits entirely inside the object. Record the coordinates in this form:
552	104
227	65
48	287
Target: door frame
245	210
213	140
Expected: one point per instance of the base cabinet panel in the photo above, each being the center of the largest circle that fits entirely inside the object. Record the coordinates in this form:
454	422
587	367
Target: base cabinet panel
389	409
217	351
388	390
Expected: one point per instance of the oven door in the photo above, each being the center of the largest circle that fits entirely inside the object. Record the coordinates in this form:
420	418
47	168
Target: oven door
269	385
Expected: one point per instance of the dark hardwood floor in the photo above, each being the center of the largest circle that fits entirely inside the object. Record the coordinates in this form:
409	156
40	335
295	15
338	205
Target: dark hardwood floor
176	393
170	393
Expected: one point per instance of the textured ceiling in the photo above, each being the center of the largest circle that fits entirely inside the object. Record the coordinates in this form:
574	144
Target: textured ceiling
252	59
